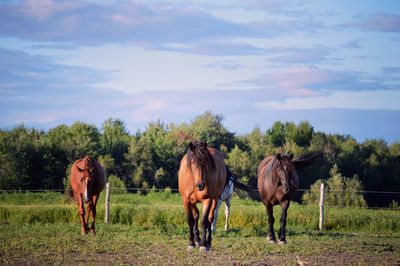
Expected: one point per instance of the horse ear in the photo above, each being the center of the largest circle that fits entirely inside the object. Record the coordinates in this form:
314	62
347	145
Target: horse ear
80	165
191	146
278	156
91	164
205	144
291	156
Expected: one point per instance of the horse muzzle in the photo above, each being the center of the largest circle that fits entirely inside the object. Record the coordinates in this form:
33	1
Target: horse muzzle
285	190
200	186
85	198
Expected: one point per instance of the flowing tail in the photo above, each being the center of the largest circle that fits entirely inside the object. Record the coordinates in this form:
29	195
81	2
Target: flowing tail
242	189
307	159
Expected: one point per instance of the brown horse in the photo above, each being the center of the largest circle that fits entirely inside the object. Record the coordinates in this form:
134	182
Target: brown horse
202	177
87	180
277	183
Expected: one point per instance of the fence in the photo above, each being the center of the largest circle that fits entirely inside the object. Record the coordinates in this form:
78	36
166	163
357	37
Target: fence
321	204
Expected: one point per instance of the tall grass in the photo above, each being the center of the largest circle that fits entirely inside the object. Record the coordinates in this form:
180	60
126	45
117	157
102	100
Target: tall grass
163	211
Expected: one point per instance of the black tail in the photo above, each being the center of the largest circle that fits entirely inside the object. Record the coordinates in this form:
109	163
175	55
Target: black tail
307	159
240	188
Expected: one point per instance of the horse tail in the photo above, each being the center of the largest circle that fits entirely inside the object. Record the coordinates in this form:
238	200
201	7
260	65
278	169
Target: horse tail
240	188
307	159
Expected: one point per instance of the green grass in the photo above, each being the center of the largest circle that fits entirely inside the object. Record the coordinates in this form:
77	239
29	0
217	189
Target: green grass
163	211
117	244
43	228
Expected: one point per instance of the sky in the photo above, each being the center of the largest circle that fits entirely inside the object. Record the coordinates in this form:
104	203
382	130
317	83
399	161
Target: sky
335	63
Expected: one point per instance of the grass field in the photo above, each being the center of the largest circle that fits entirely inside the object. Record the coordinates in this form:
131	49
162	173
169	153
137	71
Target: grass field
43	228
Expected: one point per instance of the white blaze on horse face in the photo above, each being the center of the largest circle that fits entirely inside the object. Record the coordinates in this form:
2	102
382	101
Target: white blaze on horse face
85	193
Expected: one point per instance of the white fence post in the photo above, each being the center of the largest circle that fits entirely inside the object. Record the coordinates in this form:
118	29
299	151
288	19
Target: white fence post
321	207
107	212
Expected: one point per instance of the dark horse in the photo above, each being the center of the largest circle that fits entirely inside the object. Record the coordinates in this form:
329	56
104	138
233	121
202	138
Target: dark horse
277	183
202	177
87	180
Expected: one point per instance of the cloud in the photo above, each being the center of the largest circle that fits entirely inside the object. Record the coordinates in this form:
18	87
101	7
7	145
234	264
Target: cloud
381	100
354	44
311	81
287	26
361	124
33	74
189	28
238	107
296	55
383	22
227	65
88	23
214	47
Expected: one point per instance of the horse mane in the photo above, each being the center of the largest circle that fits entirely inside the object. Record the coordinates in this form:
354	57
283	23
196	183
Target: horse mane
308	159
199	153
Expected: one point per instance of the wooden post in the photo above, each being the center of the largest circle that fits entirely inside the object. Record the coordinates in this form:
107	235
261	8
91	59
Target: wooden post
107	212
321	207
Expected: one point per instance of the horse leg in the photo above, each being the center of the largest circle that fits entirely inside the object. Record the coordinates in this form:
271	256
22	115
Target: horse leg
282	230
214	223
211	212
81	211
271	234
196	215
227	212
93	209
190	220
206	226
89	209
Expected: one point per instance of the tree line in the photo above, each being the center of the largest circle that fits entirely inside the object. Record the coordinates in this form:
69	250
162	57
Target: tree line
37	159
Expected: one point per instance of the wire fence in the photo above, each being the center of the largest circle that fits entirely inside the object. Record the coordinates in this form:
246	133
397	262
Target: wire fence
395	204
175	190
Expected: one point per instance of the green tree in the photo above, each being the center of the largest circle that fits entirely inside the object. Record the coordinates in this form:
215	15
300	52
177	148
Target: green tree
239	163
276	134
26	160
152	155
208	127
257	148
117	186
84	139
114	142
340	191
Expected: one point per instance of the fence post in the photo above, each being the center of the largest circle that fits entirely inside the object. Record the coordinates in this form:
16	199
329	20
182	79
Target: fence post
321	207
107	207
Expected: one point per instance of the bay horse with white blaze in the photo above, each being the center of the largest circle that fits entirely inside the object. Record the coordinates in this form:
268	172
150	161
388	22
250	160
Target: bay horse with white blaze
88	179
277	183
201	177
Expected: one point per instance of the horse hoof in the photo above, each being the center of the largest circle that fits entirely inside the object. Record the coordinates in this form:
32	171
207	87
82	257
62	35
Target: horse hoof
203	248
190	248
197	244
282	242
271	240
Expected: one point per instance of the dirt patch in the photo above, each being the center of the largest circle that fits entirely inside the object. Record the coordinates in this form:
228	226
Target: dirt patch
159	257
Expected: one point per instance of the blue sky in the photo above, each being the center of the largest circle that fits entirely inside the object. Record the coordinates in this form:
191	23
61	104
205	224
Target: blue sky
333	63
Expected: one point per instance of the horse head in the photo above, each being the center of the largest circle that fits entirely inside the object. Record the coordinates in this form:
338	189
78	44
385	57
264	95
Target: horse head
86	169
200	160
285	171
